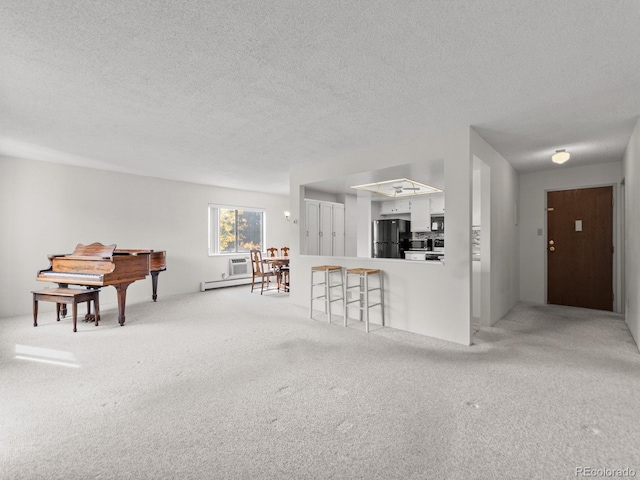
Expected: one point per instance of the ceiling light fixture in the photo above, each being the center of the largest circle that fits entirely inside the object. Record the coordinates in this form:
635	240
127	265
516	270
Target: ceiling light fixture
400	187
560	156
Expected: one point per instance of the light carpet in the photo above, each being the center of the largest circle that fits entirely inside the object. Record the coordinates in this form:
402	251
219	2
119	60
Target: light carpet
227	384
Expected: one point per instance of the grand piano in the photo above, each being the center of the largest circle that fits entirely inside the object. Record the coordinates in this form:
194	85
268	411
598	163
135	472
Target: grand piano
97	265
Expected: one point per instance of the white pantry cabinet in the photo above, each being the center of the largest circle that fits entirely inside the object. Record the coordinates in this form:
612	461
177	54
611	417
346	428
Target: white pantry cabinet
324	228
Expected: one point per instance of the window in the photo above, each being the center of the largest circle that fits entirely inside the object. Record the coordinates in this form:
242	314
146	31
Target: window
235	229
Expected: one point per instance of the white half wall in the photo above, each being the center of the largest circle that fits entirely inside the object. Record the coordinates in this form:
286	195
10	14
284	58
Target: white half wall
425	298
50	208
428	299
631	168
533	248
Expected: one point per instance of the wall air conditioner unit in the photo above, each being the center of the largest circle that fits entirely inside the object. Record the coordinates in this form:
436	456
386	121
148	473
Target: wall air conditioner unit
238	266
239	274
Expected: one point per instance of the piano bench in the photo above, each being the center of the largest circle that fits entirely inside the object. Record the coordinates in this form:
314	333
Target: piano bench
61	296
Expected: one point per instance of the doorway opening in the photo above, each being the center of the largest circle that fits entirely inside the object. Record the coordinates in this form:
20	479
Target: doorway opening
480	246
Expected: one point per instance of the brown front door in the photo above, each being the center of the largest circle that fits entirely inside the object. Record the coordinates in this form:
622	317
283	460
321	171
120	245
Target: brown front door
580	248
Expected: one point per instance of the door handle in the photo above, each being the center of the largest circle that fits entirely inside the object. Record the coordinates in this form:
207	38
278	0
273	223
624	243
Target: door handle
552	249
551	242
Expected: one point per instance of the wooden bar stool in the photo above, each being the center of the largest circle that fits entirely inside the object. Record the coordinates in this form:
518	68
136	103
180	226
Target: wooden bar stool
363	275
64	296
329	272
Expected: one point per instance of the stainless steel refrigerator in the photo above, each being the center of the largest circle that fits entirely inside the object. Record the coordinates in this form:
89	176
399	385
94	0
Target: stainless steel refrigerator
390	238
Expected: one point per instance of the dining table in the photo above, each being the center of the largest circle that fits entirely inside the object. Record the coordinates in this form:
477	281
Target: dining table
278	263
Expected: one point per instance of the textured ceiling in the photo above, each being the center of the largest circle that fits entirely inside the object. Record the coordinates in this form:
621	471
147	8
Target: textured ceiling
234	93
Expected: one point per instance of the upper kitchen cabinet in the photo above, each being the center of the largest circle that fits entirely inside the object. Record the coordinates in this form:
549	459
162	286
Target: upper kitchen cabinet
437	204
421	215
394	207
325	230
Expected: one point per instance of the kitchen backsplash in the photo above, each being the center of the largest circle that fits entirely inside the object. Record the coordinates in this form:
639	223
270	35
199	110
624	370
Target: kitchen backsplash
427	236
476	234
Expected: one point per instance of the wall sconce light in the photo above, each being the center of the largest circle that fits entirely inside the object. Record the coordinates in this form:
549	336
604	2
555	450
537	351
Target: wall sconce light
560	156
287	215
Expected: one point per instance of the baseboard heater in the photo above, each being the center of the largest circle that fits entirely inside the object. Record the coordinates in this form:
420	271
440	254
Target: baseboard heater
239	274
230	282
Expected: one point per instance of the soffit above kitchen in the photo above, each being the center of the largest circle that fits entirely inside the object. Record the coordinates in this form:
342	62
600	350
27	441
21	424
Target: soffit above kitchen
429	173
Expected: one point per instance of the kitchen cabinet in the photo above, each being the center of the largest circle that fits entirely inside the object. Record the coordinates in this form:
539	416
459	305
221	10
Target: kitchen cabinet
394	207
416	256
337	242
421	215
437	204
324	228
312	227
386	208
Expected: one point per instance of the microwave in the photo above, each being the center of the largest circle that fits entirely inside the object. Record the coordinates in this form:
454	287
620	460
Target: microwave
437	223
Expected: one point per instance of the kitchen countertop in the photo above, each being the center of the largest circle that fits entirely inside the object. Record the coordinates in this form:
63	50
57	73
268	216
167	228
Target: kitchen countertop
425	256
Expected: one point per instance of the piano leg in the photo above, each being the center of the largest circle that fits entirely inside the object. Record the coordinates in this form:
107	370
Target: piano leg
89	317
63	307
35	311
154	284
121	289
96	304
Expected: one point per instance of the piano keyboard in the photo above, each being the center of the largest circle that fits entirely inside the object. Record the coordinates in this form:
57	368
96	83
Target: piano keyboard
67	274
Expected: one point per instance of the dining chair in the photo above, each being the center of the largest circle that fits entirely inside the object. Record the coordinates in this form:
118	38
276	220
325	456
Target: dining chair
258	270
284	271
271	253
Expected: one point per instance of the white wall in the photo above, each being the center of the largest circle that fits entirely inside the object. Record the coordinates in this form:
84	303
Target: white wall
500	291
364	208
50	208
422	298
425	298
321	196
533	249
350	224
631	168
